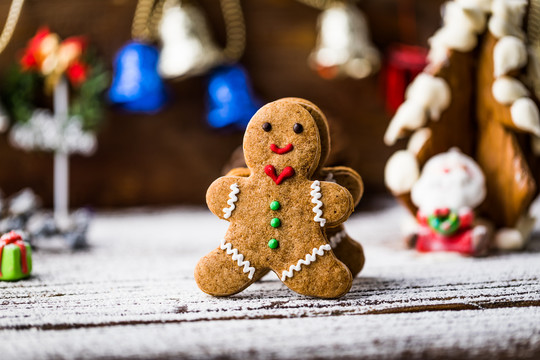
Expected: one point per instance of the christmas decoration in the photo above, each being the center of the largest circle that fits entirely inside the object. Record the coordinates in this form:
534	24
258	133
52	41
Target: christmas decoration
60	67
450	187
343	45
230	100
136	85
22	212
471	96
403	64
16	210
188	48
15	257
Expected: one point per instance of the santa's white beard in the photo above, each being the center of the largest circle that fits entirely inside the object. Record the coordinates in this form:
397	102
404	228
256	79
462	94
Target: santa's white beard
454	190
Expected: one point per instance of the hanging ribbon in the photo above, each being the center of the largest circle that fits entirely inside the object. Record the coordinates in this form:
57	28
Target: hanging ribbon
11	22
14	238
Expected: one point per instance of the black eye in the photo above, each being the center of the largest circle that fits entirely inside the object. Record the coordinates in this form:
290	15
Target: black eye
267	126
298	128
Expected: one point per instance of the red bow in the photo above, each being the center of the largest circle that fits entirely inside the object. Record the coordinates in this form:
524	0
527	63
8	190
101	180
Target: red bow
14	238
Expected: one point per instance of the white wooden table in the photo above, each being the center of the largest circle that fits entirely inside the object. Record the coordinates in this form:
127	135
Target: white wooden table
132	295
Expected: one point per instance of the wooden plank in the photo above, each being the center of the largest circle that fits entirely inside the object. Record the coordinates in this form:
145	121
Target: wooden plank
497	333
136	283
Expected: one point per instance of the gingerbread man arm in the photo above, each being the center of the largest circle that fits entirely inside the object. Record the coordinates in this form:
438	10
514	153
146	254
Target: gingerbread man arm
346	177
332	203
222	196
343	175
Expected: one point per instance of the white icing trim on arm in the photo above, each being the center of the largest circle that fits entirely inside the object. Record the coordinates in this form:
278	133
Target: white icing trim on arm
316	196
509	54
239	258
308	260
232	199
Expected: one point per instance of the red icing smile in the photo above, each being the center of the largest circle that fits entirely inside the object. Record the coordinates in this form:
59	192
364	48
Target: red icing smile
282	150
286	173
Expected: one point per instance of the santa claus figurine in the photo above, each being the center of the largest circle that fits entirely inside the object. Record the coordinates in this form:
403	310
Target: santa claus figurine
450	186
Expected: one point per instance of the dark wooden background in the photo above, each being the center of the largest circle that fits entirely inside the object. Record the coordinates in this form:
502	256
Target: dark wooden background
171	158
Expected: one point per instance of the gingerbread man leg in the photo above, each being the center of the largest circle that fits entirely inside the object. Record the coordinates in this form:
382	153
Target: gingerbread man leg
225	272
346	249
322	276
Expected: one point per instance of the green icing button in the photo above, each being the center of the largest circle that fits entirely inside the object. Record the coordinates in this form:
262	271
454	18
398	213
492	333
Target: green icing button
275	222
275	205
273	244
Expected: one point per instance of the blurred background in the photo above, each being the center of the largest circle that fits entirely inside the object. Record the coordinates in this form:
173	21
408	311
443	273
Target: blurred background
170	156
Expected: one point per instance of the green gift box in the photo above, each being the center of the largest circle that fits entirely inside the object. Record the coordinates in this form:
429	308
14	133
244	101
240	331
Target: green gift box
15	257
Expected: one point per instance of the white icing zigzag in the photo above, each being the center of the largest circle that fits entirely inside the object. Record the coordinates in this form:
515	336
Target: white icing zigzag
316	195
239	258
337	238
308	260
232	199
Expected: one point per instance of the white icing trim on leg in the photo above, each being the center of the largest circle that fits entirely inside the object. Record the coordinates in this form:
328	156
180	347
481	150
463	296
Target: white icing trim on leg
239	258
232	199
337	238
316	195
308	260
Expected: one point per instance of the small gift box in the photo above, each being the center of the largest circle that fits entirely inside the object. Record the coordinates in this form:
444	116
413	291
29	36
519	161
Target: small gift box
15	257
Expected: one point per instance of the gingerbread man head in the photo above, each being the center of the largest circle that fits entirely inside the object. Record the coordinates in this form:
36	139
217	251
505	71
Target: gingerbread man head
282	141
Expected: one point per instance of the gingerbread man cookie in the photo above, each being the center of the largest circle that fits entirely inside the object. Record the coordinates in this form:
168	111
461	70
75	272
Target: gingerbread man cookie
345	248
278	213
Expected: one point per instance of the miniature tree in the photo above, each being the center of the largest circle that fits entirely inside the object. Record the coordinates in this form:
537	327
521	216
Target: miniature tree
59	68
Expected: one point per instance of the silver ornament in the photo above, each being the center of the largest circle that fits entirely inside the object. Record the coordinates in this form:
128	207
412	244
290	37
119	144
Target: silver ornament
187	47
343	45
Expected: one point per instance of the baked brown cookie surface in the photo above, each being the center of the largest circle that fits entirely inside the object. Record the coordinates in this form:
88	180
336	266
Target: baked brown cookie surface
345	248
277	215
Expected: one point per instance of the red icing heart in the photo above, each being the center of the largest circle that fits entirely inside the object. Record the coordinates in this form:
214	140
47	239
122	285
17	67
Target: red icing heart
286	173
282	150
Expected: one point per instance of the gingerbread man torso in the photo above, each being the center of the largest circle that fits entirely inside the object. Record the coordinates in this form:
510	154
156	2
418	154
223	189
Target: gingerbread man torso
279	229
